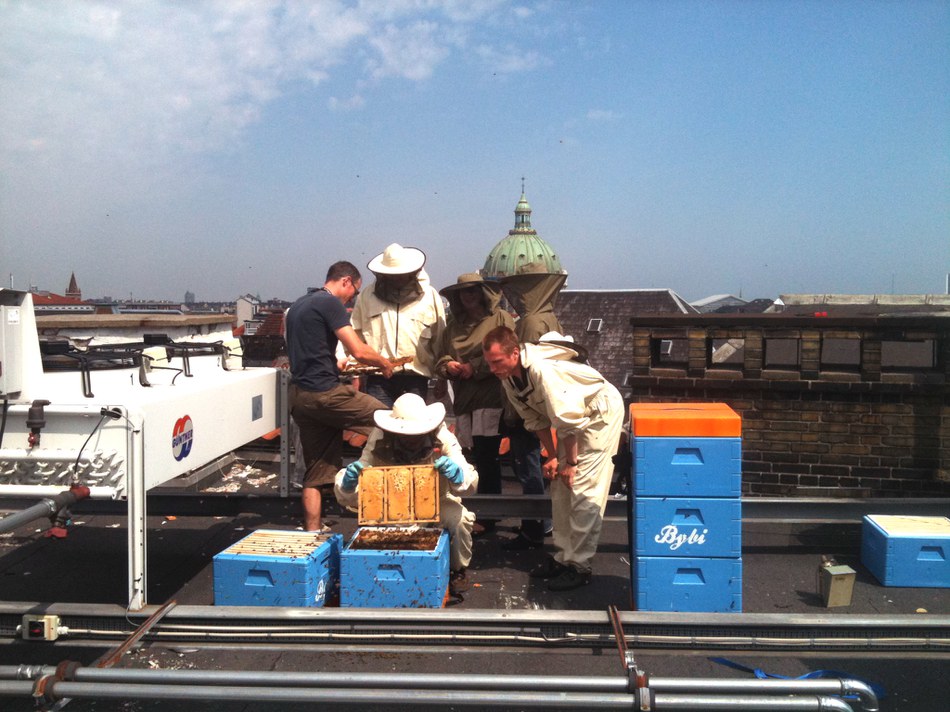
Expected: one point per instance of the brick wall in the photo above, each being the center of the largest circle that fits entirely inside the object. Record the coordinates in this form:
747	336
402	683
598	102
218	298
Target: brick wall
828	425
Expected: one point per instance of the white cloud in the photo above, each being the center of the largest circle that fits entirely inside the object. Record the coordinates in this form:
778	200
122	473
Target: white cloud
410	52
509	60
602	115
352	103
143	81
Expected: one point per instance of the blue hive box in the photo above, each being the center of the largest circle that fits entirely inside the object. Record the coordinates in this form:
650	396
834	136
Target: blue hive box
665	583
907	551
272	567
687	466
395	567
700	527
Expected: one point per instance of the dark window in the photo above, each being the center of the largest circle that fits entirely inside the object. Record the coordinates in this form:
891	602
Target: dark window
908	355
594	325
842	354
782	353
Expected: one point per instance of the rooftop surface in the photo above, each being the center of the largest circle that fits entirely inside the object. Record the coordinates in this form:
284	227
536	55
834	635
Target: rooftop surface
89	567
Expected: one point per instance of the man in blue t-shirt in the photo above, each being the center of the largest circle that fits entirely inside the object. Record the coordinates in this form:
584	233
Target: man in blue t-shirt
321	406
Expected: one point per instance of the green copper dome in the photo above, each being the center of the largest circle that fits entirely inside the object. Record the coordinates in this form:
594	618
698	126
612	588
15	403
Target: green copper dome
522	246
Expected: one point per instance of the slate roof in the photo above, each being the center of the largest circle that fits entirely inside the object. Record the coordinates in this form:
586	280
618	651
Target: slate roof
609	342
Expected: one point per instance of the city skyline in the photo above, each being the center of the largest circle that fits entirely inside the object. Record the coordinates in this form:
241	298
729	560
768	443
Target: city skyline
704	147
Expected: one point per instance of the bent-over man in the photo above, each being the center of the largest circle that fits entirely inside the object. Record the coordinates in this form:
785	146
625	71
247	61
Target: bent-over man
549	388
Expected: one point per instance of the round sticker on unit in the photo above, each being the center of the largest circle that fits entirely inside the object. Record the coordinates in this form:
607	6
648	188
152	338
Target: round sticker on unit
182	437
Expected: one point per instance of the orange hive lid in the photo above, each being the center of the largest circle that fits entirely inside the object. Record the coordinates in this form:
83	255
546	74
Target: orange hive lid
698	420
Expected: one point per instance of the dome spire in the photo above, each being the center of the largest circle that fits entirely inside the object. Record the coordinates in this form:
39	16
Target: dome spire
522	216
521	246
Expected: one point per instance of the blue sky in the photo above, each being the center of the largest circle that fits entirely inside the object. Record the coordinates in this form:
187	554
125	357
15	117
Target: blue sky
712	147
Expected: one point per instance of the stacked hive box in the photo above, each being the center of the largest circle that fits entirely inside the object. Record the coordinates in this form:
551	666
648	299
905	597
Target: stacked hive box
278	568
686	514
399	564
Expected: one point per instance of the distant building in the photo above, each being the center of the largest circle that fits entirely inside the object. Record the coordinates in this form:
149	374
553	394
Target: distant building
522	246
716	302
731	304
865	304
246	308
189	298
47	303
599	319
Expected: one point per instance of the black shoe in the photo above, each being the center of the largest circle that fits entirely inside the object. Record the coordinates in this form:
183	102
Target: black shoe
458	582
521	543
569	579
549	569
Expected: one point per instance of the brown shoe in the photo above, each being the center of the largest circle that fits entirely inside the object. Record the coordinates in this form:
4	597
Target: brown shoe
482	528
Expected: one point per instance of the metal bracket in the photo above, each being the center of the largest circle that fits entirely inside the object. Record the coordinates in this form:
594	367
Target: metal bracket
637	680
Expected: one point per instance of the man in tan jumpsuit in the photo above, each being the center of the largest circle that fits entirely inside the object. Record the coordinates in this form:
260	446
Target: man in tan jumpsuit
550	389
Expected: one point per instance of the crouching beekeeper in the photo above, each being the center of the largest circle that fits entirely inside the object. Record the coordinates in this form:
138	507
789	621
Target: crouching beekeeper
413	433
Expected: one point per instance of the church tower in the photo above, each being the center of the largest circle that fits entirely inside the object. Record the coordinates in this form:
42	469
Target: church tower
522	246
73	291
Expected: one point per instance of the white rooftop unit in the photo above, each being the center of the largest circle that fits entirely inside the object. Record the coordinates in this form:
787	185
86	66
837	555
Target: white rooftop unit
121	419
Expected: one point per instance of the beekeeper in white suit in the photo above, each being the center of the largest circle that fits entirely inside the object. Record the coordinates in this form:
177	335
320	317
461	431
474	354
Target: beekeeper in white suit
550	387
413	433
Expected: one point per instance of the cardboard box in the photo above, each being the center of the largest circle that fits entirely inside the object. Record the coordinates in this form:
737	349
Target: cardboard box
278	568
395	567
666	583
699	527
399	495
907	551
687	467
697	420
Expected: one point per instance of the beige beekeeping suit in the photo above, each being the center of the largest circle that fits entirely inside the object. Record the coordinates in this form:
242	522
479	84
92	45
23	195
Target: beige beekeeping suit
574	399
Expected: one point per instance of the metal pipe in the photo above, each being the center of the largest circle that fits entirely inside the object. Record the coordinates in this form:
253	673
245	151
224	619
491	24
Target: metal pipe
33	491
55	690
828	686
44	454
707	687
44	508
473	698
750	702
263	678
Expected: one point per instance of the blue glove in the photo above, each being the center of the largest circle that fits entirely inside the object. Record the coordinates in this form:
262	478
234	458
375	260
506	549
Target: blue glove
450	470
351	476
